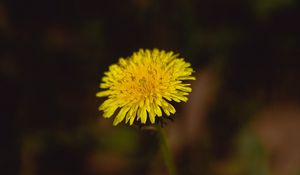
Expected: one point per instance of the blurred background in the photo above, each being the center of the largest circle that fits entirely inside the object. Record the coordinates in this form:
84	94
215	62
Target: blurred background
243	116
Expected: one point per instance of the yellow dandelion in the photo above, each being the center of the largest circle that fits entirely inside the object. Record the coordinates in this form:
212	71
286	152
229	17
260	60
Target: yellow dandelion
140	86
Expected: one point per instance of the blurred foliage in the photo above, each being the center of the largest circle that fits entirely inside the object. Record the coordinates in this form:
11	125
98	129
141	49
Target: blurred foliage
251	158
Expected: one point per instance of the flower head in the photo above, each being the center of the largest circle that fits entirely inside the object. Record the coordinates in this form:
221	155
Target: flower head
140	86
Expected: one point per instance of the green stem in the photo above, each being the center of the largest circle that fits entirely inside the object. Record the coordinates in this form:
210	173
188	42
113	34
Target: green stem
165	149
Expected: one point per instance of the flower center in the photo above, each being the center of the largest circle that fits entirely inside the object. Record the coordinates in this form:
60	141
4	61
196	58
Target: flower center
147	83
146	86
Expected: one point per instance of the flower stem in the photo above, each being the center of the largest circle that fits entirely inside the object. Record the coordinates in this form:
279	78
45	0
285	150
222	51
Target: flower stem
166	152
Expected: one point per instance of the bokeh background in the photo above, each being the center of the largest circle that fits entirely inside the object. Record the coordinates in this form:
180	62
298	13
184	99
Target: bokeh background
243	116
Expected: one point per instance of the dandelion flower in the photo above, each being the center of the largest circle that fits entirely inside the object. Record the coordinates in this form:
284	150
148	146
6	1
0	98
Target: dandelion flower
141	86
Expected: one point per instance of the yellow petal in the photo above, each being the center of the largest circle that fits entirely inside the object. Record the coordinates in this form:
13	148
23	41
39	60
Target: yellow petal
109	111
186	89
143	115
152	116
103	93
120	115
157	110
